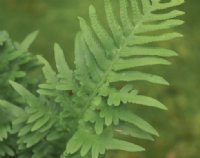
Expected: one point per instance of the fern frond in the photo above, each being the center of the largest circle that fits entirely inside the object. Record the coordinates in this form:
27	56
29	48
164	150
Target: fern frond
103	59
37	124
15	62
83	108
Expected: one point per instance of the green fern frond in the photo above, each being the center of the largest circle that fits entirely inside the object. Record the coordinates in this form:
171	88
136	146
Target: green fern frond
16	61
103	59
83	109
38	123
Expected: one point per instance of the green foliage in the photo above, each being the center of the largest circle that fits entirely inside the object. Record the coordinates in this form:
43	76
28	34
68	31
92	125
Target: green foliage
16	61
85	109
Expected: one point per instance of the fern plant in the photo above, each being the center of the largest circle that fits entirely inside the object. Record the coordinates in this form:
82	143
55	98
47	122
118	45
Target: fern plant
82	112
16	61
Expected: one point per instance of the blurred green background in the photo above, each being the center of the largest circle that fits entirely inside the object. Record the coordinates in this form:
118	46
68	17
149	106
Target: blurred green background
179	127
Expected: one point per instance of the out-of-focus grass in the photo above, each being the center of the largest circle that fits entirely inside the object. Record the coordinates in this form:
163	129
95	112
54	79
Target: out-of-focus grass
179	127
56	20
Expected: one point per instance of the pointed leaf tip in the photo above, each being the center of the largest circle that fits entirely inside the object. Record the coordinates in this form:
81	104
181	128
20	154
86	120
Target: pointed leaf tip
12	83
57	47
92	9
28	40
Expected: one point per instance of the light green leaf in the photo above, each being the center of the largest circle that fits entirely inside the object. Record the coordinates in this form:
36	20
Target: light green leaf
28	96
28	41
116	144
139	40
146	51
137	62
135	76
40	122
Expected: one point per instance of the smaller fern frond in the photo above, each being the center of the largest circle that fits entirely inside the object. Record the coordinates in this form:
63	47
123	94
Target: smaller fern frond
16	62
37	124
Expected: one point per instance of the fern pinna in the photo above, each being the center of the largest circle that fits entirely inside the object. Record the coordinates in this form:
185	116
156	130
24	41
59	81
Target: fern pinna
83	108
